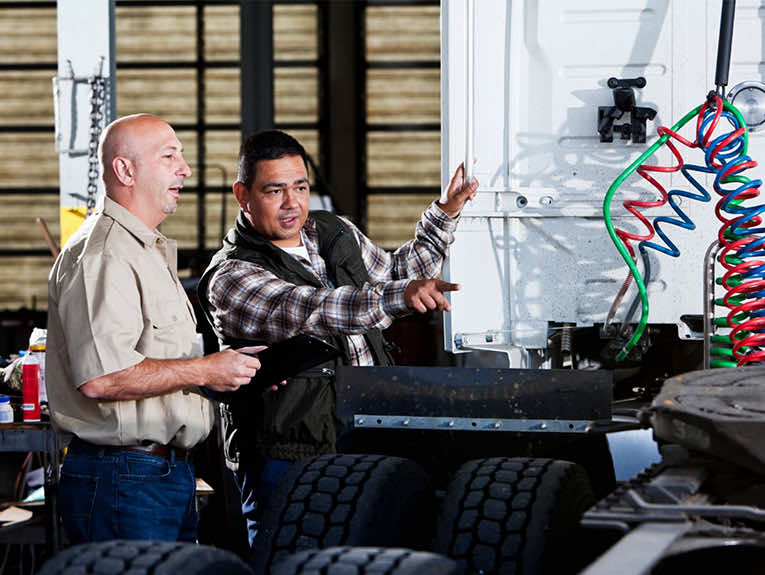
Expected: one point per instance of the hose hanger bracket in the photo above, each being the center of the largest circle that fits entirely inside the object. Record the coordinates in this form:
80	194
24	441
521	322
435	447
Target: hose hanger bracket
624	102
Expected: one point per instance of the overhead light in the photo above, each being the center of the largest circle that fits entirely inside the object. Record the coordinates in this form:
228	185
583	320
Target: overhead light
749	98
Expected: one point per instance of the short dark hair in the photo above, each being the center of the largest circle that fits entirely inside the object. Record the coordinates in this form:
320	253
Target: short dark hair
266	145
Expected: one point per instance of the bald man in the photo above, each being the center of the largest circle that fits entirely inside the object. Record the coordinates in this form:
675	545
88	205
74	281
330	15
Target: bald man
124	363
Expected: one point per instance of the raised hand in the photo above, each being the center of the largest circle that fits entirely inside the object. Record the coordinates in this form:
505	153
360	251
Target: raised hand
457	193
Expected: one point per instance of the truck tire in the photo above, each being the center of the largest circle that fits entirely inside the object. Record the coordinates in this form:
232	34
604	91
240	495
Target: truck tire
360	560
514	515
354	500
144	557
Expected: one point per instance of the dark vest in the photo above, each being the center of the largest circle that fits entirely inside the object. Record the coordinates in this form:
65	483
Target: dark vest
298	420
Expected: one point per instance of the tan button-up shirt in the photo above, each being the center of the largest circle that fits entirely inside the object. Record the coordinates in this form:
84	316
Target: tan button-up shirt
115	299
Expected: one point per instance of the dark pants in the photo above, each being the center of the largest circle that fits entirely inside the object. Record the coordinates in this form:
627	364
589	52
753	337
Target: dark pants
113	493
257	479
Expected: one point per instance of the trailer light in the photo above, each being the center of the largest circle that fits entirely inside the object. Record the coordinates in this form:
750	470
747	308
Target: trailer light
749	98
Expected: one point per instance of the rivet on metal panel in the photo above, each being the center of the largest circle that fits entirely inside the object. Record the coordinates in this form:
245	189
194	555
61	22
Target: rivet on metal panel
521	201
497	424
405	422
451	424
546	200
360	421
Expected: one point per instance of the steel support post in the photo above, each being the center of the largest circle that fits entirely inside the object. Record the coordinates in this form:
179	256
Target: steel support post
345	53
257	57
85	50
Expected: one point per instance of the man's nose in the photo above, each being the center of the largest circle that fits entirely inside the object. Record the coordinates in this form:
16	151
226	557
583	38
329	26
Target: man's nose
185	170
289	198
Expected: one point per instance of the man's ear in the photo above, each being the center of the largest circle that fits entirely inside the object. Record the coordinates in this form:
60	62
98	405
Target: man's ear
242	196
124	170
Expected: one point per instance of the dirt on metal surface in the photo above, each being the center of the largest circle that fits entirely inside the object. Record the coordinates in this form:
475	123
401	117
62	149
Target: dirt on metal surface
720	412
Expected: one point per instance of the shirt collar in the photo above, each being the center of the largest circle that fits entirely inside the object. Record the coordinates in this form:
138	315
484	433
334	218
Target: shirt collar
310	224
310	235
131	223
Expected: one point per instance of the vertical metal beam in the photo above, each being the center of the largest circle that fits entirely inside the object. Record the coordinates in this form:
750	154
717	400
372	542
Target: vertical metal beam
85	48
257	57
322	24
201	133
345	167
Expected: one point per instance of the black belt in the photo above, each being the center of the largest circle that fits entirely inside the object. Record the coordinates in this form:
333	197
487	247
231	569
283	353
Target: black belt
169	452
166	451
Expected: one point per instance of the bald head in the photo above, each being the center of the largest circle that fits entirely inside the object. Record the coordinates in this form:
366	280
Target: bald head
123	137
142	166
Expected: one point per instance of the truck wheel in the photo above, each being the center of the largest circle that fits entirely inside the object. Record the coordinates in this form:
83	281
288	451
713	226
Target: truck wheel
358	560
355	500
514	515
144	557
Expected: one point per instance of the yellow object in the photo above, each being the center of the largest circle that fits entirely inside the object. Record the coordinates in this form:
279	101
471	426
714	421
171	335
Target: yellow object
71	219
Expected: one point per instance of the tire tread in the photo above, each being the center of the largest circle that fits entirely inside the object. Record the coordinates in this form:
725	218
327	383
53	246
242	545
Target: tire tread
348	500
143	558
501	516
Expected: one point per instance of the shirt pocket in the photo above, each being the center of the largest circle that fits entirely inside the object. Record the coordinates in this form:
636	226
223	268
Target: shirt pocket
168	314
171	333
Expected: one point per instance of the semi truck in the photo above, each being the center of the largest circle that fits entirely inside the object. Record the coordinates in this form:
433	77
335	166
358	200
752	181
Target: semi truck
606	412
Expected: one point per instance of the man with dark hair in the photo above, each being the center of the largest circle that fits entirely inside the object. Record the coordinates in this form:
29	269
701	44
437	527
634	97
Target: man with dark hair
267	145
283	271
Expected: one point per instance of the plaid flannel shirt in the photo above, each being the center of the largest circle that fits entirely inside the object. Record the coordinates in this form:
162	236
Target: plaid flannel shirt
248	302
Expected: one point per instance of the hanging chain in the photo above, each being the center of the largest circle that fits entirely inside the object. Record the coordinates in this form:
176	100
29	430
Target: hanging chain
97	102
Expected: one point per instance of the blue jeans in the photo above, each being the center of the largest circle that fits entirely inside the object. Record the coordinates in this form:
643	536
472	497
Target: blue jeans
113	493
257	480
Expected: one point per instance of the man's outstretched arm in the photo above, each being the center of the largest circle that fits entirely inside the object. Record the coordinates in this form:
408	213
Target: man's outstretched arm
249	302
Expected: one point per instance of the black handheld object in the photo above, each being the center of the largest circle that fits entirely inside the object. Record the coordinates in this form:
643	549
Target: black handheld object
290	357
724	43
281	361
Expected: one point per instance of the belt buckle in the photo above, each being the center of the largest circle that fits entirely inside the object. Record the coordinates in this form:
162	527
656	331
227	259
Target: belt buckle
146	446
154	448
170	452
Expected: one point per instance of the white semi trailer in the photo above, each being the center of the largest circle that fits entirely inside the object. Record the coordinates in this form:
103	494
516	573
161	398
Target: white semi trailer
526	95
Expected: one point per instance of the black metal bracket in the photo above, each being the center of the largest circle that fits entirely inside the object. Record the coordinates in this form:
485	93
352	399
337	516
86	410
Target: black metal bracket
624	101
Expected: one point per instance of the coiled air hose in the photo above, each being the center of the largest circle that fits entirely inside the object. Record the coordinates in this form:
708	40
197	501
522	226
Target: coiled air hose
740	236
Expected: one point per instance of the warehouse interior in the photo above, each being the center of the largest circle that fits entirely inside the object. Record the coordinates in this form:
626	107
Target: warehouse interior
356	82
363	99
545	424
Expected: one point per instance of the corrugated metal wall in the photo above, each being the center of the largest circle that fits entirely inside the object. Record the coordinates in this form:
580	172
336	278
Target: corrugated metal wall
161	34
